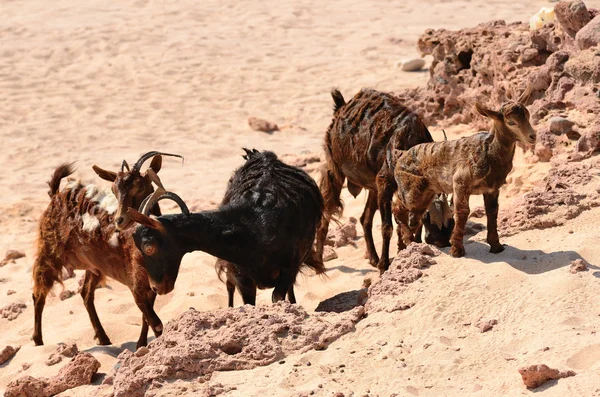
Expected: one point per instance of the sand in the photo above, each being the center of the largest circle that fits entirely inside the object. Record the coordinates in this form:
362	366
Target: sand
98	82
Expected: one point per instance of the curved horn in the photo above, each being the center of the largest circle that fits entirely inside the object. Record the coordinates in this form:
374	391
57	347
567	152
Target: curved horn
146	156
124	165
159	195
525	94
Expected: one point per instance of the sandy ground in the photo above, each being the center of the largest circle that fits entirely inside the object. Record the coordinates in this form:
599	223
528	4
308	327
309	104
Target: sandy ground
98	82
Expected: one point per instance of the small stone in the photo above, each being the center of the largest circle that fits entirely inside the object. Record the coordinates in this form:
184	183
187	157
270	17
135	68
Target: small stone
191	293
7	353
485	326
262	125
329	254
11	292
411	65
11	256
12	310
560	125
578	265
66	294
536	375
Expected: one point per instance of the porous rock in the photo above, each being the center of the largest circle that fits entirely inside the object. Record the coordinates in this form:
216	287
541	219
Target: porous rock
560	125
572	16
578	265
79	371
329	254
12	310
7	353
66	294
342	235
386	294
198	343
589	35
62	350
536	375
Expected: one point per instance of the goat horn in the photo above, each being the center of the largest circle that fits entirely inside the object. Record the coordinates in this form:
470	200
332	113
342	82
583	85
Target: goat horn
151	200
146	156
161	194
445	137
154	178
124	165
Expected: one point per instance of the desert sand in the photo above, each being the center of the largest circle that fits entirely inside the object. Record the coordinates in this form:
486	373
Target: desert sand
98	82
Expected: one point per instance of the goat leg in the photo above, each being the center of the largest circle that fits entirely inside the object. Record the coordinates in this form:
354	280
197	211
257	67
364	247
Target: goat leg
461	214
143	339
366	221
88	291
140	295
491	211
386	185
291	295
39	301
230	292
247	289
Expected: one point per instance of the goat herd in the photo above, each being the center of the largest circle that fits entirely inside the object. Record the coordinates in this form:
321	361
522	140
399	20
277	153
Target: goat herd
272	213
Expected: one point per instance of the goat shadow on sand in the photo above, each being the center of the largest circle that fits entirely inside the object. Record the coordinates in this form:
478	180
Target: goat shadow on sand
348	270
527	261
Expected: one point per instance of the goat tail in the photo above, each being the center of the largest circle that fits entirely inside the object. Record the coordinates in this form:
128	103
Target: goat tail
338	100
62	171
221	268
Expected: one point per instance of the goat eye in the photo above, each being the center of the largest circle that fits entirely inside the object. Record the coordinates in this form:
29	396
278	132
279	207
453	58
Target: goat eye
510	122
149	249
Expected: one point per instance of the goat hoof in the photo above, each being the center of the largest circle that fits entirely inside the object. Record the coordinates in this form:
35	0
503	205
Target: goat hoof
103	341
495	249
457	252
141	344
38	341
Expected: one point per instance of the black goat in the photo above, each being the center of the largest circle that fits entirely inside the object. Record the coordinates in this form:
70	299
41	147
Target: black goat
263	231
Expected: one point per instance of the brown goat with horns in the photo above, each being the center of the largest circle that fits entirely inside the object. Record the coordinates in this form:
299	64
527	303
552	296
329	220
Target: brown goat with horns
478	164
78	231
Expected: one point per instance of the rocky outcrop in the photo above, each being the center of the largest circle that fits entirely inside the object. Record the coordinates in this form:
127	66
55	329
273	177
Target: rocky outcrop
78	372
198	343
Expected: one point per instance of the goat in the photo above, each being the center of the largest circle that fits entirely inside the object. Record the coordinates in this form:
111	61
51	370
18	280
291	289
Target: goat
77	231
355	150
263	231
477	164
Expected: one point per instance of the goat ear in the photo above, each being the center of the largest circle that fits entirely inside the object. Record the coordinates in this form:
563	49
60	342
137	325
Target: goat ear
144	220
106	175
487	112
156	163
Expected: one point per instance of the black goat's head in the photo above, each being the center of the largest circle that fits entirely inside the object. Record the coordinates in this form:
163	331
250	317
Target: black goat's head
158	242
438	222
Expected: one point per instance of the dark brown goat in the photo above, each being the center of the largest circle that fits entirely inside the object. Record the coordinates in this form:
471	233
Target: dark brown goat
77	231
131	187
477	164
355	150
263	231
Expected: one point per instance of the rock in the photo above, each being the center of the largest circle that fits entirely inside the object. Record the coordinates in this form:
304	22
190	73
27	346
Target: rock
62	350
79	371
589	35
478	212
196	344
262	125
560	125
543	16
11	256
486	325
590	141
572	16
536	375
66	294
386	293
578	265
543	153
11	292
7	353
12	310
343	235
342	302
411	65
67	273
329	254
